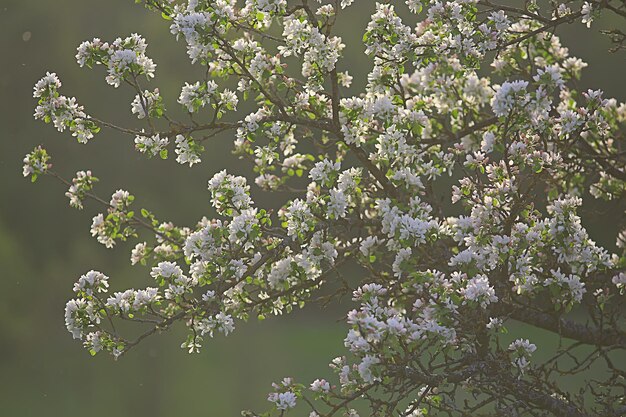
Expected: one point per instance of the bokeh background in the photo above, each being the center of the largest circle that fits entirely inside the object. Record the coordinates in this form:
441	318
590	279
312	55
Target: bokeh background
45	245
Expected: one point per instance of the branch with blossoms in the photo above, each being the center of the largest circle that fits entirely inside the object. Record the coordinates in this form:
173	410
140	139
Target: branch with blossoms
454	181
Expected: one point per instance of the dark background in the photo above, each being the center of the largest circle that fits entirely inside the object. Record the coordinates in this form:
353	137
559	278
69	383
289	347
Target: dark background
45	245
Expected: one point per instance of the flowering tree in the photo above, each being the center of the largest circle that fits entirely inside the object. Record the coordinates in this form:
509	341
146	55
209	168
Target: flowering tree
456	194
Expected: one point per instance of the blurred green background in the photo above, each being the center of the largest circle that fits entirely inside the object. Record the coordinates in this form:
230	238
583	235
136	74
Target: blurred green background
45	246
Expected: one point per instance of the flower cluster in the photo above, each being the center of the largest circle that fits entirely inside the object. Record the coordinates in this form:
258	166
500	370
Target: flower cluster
63	112
152	145
125	59
284	398
229	192
117	223
36	163
188	150
319	52
81	185
521	350
148	103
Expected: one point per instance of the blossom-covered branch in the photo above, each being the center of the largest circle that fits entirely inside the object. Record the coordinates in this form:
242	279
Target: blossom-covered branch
454	180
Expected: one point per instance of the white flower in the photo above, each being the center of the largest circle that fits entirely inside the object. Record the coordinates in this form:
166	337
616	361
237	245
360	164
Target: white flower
99	229
203	244
298	215
574	65
120	199
415	6
619	280
500	20
395	325
522	350
320	385
569	122
36	163
324	170
479	290
348	180
365	368
242	225
196	95
122	57
368	244
73	321
346	3
208	296
570	288
267	181
93	341
63	112
92	281
550	75
229	191
86	48
167	270
337	204
47	84
494	323
221	322
402	255
280	272
229	99
187	150
145	297
151	145
122	301
487	143
82	183
144	103
283	400
508	95
586	11
345	79
270	5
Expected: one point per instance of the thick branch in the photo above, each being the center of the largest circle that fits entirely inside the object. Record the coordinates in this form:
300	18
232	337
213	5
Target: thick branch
530	395
566	328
